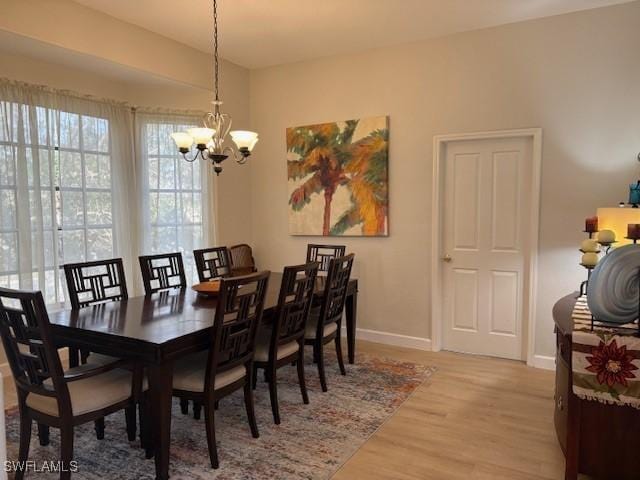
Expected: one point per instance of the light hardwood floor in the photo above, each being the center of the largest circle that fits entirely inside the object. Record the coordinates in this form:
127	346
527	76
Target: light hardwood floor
477	418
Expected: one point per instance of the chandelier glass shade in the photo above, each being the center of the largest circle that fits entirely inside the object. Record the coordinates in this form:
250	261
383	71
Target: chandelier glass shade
210	140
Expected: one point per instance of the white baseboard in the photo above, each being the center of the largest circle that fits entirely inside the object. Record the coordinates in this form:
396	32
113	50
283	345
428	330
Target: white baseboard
539	361
543	361
387	338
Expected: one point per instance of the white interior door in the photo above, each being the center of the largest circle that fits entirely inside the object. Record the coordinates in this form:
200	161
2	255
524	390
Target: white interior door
486	200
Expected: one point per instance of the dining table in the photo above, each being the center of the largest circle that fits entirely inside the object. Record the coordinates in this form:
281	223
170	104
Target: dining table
158	329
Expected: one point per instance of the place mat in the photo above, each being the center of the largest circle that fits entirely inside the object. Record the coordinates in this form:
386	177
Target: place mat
311	443
605	360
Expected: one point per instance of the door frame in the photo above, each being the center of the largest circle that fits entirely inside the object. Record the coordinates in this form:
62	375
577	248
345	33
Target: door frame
531	253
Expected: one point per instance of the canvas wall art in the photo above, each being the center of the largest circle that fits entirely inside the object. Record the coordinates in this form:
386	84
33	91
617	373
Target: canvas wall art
338	178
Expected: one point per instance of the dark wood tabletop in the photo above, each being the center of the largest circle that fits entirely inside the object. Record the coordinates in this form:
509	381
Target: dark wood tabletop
158	329
155	319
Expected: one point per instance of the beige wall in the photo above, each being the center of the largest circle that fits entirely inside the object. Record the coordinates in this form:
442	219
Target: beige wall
576	76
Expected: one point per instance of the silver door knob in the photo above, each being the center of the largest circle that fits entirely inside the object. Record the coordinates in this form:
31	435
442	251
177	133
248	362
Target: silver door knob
447	258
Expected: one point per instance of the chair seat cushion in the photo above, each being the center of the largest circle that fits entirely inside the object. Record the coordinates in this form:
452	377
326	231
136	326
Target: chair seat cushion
188	373
312	326
262	347
89	394
100	359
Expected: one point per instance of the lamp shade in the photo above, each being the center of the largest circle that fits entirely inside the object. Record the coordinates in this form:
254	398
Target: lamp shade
244	139
183	140
201	135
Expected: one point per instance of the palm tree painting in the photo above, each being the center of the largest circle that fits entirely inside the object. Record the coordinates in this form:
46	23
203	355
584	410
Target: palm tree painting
338	178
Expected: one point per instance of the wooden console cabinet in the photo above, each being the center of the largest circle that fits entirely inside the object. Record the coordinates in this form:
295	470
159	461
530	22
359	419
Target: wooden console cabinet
599	440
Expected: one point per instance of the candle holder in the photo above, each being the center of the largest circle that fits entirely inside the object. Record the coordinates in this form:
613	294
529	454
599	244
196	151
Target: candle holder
590	233
607	246
585	284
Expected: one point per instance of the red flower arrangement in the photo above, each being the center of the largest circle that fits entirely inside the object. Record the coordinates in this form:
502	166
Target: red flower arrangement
612	365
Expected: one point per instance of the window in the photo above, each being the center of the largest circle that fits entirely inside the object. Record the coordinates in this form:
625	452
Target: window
175	192
55	195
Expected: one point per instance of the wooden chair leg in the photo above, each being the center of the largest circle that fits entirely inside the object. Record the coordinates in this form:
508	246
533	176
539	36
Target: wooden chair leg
197	409
99	427
323	378
143	423
130	419
301	381
184	406
148	440
343	371
66	451
251	414
43	434
254	379
273	395
74	357
209	420
25	441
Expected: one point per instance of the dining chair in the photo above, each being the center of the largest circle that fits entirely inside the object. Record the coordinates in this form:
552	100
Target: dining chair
92	283
325	322
46	393
323	254
206	377
283	343
242	261
212	263
162	272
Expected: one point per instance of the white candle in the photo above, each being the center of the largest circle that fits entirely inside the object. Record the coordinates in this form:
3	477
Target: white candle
606	236
590	259
589	245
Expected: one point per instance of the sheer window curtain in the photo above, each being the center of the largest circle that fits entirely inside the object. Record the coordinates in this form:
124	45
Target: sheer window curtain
67	180
175	195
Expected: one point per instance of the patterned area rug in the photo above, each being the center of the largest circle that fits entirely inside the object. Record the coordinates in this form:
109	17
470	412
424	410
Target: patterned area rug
312	441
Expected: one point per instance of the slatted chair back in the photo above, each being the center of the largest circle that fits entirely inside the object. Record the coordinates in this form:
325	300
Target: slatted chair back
294	304
212	263
335	291
323	254
28	344
89	283
238	314
242	261
162	272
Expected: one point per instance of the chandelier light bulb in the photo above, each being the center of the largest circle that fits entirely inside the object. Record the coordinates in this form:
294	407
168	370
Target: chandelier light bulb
201	135
183	140
244	139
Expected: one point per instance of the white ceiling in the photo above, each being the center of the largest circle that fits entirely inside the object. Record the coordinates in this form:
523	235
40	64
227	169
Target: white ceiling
260	33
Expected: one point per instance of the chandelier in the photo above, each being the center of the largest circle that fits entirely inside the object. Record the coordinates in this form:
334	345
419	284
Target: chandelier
209	140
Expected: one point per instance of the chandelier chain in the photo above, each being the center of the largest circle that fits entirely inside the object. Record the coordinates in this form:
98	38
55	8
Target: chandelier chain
215	45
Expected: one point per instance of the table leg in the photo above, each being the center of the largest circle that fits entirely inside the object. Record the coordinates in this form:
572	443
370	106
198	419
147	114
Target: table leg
160	391
74	353
351	309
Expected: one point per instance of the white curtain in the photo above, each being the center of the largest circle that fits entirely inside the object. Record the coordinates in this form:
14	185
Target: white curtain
173	192
83	178
63	183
